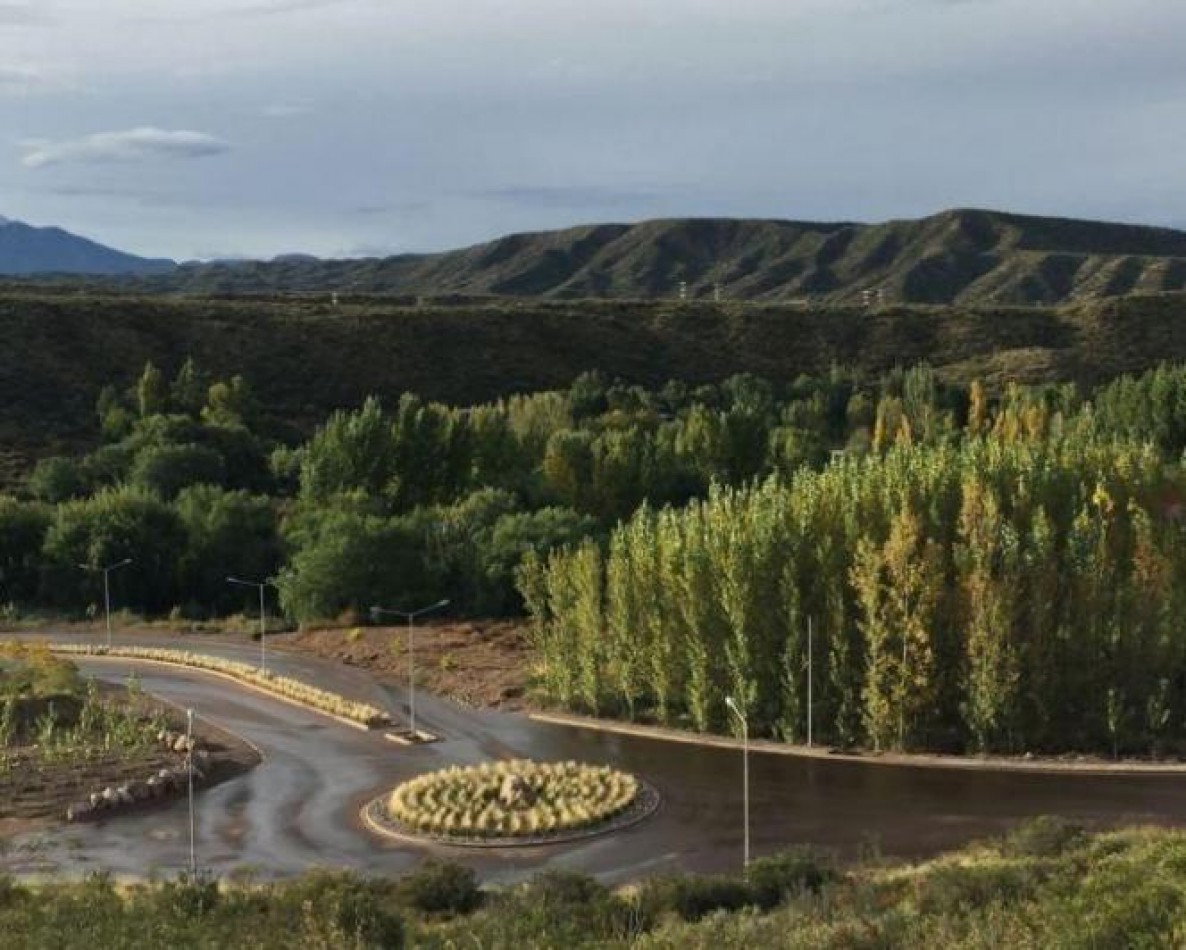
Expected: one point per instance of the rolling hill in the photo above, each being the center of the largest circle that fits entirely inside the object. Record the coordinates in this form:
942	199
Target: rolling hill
964	257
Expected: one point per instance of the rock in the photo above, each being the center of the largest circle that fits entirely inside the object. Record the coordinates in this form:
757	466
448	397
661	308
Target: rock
154	786
516	792
125	795
96	800
80	811
110	796
182	744
139	791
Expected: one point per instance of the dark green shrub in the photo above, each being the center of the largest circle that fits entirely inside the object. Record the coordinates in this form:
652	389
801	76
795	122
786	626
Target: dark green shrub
439	887
692	897
774	879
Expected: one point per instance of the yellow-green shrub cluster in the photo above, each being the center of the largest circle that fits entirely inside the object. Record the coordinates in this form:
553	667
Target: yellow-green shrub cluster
284	686
465	802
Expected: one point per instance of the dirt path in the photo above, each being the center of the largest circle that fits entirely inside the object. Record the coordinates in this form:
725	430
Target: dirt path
482	664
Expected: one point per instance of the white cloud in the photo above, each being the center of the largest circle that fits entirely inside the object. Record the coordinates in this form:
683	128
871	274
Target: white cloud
131	145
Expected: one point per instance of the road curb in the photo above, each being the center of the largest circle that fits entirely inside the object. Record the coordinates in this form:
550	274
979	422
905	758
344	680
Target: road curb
896	760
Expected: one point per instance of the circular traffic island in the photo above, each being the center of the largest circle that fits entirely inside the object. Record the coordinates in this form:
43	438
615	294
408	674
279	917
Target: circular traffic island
512	803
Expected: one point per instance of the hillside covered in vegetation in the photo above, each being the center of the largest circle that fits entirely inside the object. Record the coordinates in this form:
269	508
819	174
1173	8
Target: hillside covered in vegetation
962	256
306	357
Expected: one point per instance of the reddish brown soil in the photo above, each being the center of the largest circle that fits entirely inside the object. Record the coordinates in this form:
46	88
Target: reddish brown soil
482	663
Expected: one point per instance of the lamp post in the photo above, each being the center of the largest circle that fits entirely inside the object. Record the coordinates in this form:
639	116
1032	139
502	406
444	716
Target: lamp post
410	616
744	772
263	617
189	771
107	587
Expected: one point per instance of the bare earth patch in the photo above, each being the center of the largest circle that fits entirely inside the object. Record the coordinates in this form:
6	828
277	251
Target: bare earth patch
480	663
35	794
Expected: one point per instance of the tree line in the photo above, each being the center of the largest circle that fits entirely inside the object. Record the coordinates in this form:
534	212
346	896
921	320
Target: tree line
195	479
1018	587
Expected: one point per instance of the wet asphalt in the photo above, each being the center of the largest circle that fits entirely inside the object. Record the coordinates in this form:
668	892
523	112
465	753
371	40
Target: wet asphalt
300	807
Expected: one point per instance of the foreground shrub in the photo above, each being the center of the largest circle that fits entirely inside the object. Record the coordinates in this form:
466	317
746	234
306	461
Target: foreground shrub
1044	837
344	909
439	887
774	879
691	897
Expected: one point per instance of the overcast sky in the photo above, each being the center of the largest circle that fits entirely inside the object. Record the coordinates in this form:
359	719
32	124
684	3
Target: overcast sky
198	128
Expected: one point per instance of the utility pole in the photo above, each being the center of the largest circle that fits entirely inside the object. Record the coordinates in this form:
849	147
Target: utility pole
809	681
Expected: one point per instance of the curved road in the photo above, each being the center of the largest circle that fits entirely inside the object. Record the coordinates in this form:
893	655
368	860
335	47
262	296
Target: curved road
299	808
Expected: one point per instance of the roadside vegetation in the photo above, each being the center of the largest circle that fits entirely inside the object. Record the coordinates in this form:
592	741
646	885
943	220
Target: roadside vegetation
283	686
1046	884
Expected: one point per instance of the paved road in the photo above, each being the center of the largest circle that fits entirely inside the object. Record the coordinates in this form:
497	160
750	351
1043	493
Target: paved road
299	808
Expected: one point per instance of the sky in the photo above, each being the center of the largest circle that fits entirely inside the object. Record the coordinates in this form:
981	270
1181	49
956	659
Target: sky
216	128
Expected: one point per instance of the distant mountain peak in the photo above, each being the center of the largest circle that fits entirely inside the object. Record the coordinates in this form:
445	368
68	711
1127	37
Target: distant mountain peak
26	251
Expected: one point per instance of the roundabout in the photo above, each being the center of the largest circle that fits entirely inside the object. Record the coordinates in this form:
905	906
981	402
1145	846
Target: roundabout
512	803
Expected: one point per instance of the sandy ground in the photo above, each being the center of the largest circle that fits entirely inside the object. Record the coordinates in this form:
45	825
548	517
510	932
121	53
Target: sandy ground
482	663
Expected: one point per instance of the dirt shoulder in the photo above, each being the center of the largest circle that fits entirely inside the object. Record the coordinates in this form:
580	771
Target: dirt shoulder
480	663
34	793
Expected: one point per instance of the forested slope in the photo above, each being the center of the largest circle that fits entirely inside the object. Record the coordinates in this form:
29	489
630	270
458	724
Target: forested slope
305	357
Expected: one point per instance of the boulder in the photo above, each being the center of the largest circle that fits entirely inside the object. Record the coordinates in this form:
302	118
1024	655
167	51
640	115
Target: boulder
125	795
96	800
182	744
516	792
139	791
80	811
110	796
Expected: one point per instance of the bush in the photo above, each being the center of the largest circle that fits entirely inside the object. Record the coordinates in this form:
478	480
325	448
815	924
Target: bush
692	897
438	887
1044	837
774	879
959	889
341	908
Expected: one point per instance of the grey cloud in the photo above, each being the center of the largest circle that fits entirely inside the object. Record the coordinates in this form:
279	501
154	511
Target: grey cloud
131	145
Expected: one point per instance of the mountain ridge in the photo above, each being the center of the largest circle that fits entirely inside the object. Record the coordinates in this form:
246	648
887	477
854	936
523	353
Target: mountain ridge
962	256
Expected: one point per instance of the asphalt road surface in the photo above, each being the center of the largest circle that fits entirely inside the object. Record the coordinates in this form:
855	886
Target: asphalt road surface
299	808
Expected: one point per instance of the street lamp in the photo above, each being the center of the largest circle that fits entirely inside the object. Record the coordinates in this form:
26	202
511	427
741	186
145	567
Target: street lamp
744	771
189	771
410	616
107	587
263	617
